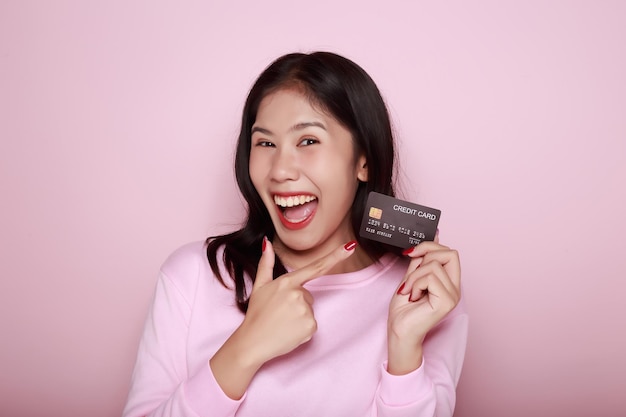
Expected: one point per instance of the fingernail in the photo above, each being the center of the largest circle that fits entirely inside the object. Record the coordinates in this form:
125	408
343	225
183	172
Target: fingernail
350	245
264	244
408	250
401	288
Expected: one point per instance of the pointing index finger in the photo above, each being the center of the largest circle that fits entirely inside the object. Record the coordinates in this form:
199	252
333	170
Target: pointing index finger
322	265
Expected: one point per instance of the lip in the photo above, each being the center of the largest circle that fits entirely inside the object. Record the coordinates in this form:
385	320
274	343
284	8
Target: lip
292	193
291	225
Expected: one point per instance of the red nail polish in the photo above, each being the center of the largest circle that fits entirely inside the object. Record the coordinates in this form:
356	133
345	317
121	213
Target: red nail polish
408	250
264	244
350	245
401	288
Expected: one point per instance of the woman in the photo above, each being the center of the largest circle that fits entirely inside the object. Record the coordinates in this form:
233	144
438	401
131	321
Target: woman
295	314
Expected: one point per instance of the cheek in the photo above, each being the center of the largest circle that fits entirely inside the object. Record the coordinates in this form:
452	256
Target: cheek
342	183
255	170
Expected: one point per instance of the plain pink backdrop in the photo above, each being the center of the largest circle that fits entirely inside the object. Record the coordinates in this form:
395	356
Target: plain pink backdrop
117	123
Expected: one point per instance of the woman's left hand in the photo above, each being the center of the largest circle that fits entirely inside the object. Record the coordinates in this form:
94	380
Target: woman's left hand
429	291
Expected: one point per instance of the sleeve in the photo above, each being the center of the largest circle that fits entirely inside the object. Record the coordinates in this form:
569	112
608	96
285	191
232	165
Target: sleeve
161	385
430	390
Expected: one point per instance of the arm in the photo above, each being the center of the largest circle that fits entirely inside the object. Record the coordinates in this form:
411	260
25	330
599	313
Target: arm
427	333
161	385
279	318
430	390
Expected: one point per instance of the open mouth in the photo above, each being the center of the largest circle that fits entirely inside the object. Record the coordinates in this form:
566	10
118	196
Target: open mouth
296	211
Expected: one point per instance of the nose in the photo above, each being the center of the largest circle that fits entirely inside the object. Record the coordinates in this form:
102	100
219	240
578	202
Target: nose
285	166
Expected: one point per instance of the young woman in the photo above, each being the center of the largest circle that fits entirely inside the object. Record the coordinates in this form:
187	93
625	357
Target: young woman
295	314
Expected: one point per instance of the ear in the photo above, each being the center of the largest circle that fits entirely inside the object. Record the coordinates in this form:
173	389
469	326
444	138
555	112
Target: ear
361	169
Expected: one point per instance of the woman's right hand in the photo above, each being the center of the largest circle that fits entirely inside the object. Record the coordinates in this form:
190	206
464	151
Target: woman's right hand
280	311
279	319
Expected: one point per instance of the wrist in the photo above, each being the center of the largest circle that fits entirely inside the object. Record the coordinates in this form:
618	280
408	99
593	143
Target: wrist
246	353
403	357
234	365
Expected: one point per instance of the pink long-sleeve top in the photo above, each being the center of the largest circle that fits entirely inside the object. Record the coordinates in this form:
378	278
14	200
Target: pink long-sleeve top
341	371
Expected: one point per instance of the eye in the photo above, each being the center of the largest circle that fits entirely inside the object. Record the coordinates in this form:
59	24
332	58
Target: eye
308	141
264	144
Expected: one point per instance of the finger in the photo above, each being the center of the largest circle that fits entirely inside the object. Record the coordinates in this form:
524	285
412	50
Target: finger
414	274
450	261
446	259
435	269
308	297
436	240
265	270
423	248
417	256
320	266
449	258
438	295
415	263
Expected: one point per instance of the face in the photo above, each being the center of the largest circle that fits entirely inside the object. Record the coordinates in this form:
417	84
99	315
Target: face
303	165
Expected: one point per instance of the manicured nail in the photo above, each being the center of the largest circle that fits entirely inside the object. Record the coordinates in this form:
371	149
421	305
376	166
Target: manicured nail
350	245
408	250
264	244
401	288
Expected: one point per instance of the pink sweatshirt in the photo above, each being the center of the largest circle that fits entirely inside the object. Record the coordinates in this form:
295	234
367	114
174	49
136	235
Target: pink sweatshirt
341	371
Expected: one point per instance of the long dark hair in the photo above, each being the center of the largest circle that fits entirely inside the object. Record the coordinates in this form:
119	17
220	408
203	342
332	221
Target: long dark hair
344	90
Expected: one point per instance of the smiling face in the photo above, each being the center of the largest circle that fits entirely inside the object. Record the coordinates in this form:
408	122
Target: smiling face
304	167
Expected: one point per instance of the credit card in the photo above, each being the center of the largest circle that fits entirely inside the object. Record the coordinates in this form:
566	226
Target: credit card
398	222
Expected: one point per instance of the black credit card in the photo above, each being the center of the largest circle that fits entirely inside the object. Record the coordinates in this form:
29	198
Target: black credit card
398	222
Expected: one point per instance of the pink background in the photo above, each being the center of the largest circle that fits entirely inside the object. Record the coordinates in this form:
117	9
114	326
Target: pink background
117	123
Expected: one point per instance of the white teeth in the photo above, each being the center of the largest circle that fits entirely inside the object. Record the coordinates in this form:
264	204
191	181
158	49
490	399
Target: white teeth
291	201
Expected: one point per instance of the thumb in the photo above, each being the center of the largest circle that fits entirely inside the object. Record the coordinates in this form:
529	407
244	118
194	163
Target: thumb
265	270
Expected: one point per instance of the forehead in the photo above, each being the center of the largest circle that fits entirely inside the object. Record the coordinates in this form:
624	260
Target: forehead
292	100
289	102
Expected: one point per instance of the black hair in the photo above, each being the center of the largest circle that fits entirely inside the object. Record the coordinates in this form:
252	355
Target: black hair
345	91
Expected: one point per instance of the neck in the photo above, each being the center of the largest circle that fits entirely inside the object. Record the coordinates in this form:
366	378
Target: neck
298	259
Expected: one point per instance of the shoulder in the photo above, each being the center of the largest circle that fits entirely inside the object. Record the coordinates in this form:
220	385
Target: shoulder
185	266
187	259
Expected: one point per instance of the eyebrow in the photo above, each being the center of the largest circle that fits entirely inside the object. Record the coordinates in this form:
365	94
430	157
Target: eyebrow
298	126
